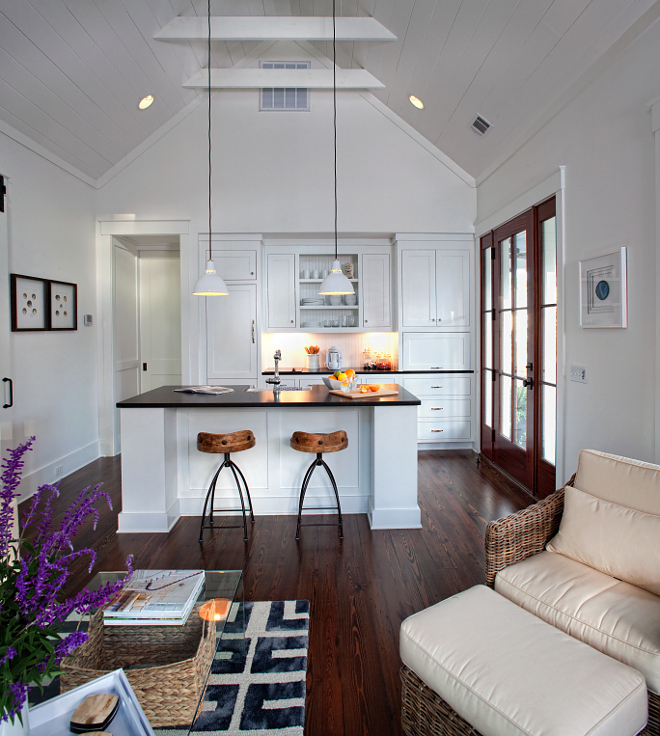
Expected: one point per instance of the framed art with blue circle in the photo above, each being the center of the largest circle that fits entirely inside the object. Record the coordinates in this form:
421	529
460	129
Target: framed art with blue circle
603	293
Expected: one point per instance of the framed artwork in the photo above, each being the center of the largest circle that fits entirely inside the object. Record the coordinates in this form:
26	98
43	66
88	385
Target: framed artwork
29	304
603	293
63	306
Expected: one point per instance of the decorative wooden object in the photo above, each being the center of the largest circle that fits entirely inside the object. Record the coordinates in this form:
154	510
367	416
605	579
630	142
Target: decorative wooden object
231	442
319	443
357	394
94	713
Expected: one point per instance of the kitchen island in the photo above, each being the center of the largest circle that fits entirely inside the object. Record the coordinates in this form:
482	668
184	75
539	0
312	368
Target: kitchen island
165	477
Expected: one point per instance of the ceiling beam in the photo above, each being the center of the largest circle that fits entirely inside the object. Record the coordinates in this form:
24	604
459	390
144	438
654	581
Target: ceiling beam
259	78
274	28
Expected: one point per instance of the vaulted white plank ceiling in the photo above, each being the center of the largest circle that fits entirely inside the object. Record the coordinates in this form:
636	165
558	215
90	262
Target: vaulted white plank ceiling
72	71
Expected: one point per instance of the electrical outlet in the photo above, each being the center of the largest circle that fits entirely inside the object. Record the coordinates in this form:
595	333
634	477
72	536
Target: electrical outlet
578	373
59	470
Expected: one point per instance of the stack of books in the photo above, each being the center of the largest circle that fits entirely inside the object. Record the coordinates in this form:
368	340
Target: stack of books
155	598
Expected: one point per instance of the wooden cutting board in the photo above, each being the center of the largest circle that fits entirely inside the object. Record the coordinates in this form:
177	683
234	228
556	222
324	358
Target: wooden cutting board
357	394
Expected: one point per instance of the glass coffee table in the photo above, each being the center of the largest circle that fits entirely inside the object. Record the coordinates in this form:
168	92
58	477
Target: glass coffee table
162	701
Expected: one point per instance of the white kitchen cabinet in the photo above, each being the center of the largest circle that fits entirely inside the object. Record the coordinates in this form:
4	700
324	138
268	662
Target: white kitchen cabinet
281	292
308	381
445	414
448	351
236	265
435	288
231	333
375	290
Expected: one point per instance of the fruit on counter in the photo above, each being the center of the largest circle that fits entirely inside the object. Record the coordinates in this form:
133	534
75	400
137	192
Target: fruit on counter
341	377
349	373
364	389
374	387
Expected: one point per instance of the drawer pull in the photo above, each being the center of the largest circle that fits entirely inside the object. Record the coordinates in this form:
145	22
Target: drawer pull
436	386
437	408
437	430
437	367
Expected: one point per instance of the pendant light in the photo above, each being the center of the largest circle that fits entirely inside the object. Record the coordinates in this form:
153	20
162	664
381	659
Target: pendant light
335	282
210	284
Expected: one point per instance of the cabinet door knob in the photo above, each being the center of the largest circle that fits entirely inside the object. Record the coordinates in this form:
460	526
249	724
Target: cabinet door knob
291	321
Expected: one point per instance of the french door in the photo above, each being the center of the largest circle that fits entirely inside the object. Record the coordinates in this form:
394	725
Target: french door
519	347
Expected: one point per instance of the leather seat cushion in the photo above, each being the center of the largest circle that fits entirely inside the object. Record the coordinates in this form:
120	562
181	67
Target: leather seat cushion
616	618
507	672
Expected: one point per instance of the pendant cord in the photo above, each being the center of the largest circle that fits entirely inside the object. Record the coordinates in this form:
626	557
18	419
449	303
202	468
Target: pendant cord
209	130
334	103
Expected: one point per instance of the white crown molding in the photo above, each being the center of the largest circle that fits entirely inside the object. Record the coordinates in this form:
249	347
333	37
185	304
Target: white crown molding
37	148
419	139
150	141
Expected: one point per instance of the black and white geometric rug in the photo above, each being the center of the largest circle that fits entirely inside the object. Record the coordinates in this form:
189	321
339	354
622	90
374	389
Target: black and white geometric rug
257	684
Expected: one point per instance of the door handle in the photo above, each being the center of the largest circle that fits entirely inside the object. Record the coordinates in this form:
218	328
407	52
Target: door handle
528	383
253	331
11	393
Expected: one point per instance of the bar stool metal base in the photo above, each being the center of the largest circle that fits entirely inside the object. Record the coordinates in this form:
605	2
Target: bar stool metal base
228	463
315	463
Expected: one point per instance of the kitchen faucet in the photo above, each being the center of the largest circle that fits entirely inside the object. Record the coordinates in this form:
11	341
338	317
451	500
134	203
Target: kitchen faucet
276	377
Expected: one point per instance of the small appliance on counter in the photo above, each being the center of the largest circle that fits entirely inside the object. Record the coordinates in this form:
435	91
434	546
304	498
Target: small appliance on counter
333	359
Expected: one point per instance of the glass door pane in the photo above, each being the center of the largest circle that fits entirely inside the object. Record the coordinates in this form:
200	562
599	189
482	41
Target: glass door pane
549	360
520	414
505	407
506	276
520	259
549	421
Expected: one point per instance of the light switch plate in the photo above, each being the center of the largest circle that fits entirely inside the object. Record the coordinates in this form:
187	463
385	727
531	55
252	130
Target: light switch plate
578	373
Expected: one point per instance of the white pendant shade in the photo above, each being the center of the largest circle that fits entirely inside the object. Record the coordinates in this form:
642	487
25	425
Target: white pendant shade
210	284
335	282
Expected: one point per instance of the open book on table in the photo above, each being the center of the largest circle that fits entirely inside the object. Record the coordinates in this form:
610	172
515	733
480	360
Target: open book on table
213	390
156	597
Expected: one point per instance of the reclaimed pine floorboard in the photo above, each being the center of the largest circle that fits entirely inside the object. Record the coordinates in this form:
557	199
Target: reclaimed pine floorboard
360	589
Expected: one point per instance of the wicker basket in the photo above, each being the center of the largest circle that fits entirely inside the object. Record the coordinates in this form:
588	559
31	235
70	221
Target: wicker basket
167	666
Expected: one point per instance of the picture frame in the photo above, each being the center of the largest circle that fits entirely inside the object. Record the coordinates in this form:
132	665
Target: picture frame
30	304
603	290
63	305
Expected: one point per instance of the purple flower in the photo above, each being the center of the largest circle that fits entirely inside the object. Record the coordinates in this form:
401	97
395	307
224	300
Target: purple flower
32	607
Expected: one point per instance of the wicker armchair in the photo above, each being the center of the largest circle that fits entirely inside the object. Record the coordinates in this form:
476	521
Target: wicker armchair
525	533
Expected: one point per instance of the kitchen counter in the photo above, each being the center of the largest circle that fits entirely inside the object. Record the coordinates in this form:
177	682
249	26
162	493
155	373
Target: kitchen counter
316	396
165	477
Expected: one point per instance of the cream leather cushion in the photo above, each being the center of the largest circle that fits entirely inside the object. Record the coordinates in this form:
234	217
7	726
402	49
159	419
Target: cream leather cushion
617	479
508	673
611	538
617	618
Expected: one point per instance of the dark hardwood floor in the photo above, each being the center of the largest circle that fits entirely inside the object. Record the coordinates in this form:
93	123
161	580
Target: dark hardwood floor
360	589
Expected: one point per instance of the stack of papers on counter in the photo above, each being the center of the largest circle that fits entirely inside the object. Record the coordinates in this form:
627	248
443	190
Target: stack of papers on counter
213	390
155	598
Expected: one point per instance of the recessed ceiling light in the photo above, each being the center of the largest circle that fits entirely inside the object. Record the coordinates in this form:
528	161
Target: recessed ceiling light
416	102
145	102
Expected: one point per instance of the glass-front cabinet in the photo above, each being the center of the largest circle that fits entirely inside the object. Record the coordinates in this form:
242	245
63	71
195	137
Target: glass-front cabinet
293	302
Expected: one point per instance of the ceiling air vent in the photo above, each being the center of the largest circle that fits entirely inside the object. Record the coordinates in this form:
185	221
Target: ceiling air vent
278	98
480	125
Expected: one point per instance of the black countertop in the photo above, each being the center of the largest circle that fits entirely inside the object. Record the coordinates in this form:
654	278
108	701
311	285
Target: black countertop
359	371
166	398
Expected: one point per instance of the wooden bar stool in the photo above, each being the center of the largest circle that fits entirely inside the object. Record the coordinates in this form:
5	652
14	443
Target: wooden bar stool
226	443
319	443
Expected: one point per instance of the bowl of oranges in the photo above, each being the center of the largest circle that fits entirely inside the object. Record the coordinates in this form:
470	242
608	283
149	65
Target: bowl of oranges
341	380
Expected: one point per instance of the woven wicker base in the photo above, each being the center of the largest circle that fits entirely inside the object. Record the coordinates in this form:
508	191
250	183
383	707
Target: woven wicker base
172	664
425	713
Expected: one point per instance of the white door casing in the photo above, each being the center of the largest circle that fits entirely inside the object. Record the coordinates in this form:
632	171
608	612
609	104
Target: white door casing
126	346
6	433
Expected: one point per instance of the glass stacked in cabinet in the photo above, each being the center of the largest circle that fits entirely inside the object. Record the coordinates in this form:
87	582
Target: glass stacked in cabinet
327	312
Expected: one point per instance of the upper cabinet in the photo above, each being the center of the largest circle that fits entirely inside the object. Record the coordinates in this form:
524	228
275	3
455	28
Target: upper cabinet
281	291
435	287
293	278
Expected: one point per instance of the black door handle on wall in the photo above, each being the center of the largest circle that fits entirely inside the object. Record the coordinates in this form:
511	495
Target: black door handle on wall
11	393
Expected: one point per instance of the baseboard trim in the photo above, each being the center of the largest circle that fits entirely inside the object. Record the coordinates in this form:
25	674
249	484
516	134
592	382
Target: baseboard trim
70	463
